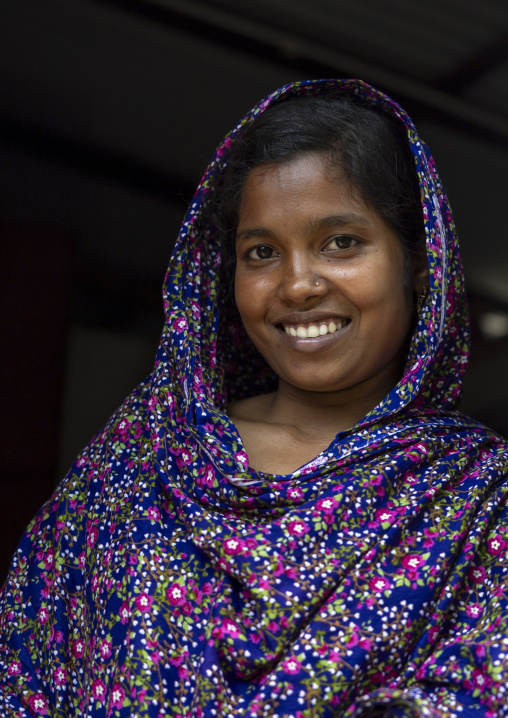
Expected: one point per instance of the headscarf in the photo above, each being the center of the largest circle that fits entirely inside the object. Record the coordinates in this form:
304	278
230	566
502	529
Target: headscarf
167	578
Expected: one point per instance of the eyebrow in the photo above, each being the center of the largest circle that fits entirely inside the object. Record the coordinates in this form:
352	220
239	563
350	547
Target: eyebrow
315	225
246	234
338	220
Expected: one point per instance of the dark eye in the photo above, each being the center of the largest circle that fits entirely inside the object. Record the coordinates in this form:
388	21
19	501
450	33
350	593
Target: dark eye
261	252
342	241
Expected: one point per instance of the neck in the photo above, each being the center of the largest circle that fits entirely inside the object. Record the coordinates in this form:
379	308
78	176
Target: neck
324	412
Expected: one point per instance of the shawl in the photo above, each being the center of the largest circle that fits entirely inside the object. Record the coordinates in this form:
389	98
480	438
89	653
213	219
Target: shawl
165	578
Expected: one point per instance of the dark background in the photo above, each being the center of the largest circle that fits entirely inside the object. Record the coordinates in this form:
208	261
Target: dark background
109	113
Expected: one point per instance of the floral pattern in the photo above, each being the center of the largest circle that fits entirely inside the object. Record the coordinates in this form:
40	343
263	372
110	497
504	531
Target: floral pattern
165	578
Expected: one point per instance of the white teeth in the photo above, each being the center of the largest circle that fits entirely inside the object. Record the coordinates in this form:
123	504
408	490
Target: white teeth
312	331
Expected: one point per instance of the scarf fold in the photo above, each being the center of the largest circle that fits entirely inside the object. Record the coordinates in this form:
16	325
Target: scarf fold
167	578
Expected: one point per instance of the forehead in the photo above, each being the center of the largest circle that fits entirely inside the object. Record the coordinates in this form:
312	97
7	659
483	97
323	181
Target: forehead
303	184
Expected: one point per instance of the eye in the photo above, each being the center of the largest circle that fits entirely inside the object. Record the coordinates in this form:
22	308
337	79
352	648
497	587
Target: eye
262	251
342	241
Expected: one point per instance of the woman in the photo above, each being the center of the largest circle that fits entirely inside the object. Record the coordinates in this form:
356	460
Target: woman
313	533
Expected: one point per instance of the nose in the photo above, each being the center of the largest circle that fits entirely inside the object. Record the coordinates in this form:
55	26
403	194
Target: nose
300	281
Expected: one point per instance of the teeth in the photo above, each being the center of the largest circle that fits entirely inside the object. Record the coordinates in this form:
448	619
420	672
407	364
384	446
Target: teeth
313	330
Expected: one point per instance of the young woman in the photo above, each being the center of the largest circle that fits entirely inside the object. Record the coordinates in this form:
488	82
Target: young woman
289	518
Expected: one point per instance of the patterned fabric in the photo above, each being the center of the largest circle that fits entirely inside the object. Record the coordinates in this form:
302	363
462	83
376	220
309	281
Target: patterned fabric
167	578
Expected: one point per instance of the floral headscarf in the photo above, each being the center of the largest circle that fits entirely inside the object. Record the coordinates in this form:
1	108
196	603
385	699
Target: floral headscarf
167	578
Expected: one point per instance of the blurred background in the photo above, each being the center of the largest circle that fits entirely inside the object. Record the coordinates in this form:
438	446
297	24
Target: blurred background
110	111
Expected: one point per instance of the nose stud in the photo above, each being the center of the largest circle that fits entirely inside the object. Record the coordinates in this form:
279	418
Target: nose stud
316	283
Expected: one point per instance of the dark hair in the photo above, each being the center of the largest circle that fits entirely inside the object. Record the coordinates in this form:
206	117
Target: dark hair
362	145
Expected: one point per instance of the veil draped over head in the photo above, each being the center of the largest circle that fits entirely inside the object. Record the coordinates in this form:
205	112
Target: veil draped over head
167	578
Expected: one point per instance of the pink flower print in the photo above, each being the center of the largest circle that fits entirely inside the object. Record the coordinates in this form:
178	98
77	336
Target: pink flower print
14	668
241	458
295	493
117	696
182	673
78	648
273	627
123	427
353	640
176	594
153	513
297	527
125	612
60	675
495	545
292	666
384	515
230	627
144	602
225	145
327	505
233	545
82	560
180	325
49	558
480	680
412	562
379	584
474	610
477	574
38	704
208	476
105	649
43	615
99	690
92	537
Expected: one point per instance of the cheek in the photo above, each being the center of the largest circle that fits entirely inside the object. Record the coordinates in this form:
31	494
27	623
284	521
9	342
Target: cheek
248	298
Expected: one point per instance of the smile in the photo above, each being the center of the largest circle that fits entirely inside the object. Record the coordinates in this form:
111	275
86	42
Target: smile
311	331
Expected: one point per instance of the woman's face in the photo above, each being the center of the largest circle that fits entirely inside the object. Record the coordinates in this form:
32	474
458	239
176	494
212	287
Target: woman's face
320	281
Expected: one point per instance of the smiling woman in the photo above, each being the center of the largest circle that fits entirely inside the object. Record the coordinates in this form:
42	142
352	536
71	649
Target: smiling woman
289	518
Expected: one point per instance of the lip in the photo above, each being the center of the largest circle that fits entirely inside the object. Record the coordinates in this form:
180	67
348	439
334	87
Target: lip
313	344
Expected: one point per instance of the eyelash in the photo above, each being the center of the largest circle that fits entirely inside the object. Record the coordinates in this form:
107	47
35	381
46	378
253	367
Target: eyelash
337	238
340	237
249	253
